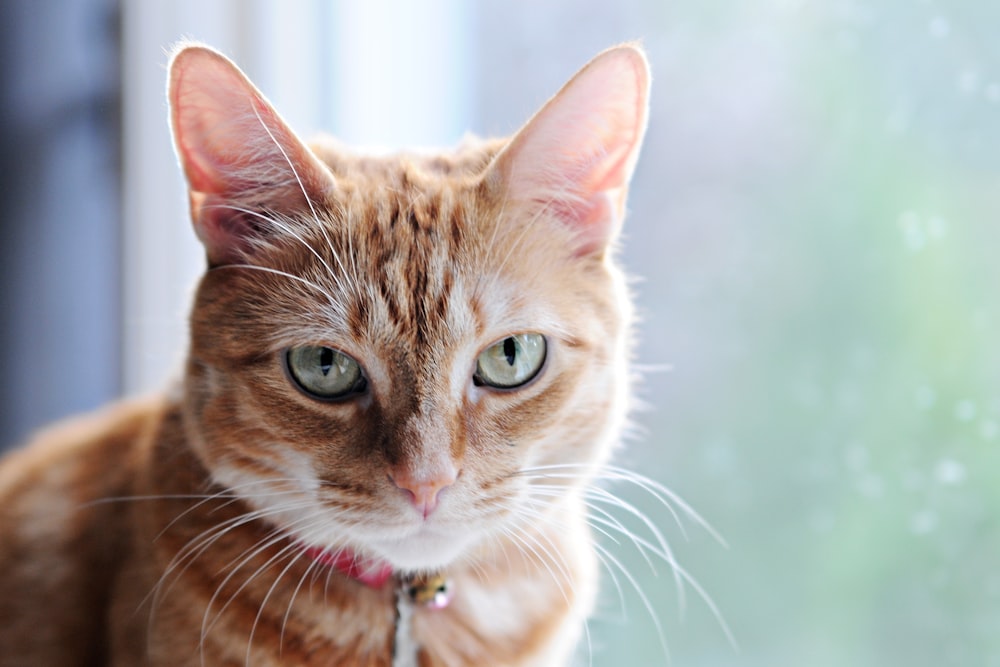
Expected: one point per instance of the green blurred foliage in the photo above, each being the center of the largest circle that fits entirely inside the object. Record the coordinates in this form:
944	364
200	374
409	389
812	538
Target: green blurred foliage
816	222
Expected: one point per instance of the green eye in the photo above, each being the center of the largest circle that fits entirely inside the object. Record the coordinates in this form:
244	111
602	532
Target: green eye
511	362
323	372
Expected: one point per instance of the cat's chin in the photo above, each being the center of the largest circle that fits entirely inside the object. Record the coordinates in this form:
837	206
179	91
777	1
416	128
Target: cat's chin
423	551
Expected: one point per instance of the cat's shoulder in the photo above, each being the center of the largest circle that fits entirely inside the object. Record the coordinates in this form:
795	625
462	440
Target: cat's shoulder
83	456
64	533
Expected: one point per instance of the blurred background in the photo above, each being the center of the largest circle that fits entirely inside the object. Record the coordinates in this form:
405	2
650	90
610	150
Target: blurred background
814	229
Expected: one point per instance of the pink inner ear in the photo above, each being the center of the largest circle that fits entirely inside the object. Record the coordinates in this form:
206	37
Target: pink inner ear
235	149
578	153
228	136
205	95
591	219
218	153
225	233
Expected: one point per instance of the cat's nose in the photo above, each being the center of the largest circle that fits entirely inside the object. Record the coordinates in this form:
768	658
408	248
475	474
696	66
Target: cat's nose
423	490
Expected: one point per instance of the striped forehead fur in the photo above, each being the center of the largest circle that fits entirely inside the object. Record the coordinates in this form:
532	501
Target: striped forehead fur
388	243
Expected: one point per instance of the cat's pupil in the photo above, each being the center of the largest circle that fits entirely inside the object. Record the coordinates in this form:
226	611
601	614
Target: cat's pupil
326	360
509	350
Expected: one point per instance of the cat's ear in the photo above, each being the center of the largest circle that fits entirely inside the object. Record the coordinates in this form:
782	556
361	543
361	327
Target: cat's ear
575	157
241	160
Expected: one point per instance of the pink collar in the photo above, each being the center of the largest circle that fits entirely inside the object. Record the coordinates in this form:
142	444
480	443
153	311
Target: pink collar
427	590
369	571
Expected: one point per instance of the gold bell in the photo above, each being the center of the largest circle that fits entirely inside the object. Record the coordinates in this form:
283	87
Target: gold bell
430	591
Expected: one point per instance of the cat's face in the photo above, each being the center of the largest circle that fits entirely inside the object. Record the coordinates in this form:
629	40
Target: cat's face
388	353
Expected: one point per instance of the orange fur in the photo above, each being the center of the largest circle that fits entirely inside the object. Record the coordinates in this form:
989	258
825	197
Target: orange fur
173	531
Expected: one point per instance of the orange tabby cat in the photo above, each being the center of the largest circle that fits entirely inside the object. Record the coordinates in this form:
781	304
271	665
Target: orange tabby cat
403	373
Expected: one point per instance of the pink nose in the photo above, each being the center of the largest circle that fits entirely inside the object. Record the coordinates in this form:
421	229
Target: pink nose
423	491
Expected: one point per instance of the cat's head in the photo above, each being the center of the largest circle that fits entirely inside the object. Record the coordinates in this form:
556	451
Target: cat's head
393	354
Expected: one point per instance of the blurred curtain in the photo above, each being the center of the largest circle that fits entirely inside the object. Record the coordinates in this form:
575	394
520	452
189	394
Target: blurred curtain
59	253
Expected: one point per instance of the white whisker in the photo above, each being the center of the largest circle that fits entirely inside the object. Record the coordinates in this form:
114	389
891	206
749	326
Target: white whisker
289	231
528	512
305	193
275	537
599	501
642	596
299	552
284	274
194	548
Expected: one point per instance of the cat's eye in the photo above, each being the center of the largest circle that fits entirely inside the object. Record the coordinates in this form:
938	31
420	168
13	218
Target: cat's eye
323	372
511	362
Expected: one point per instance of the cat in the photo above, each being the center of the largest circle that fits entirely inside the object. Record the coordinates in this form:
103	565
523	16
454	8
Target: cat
404	373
